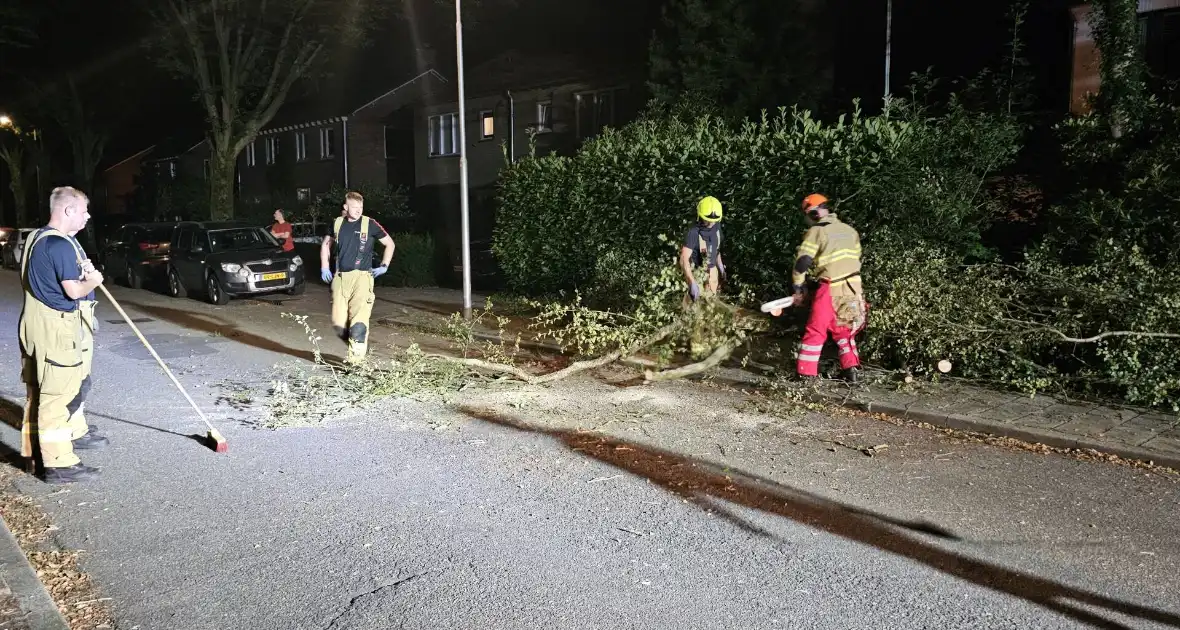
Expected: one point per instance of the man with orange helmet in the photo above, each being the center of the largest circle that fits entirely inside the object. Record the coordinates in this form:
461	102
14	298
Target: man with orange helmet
838	307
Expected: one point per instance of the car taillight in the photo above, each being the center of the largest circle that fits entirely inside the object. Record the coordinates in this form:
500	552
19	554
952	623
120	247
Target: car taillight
149	246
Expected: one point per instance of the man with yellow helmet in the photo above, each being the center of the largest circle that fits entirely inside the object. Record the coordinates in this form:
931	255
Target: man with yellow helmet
839	307
702	247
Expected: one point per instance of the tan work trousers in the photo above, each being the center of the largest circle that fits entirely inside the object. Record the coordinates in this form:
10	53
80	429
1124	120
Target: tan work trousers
56	379
352	305
709	288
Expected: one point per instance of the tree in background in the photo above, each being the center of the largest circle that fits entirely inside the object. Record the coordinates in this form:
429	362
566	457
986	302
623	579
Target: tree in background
22	169
244	58
80	127
1115	25
738	56
17	25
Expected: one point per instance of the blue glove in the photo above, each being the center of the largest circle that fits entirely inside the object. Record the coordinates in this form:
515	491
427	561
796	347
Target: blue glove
326	275
694	291
721	269
380	270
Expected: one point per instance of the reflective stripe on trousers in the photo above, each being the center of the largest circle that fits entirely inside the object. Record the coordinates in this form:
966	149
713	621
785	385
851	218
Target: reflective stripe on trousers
820	324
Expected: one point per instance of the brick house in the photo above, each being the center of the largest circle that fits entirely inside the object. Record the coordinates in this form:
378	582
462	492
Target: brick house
310	147
127	188
560	100
1159	35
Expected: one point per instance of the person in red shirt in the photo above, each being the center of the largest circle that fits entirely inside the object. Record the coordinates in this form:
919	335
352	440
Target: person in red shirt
282	231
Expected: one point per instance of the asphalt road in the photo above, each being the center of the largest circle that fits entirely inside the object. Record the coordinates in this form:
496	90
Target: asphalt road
431	517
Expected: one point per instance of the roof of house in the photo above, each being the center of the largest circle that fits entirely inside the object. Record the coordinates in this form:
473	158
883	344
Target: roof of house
167	149
378	105
517	70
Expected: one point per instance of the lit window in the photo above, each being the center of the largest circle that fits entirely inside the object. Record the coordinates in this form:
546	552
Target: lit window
487	125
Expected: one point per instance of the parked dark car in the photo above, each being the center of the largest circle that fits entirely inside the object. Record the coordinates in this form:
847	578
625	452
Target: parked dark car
228	259
138	253
14	246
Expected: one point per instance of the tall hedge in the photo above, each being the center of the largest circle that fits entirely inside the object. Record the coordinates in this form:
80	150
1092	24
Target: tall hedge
916	185
561	215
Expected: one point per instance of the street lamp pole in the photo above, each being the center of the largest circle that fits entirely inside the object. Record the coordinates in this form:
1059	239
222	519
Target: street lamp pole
463	201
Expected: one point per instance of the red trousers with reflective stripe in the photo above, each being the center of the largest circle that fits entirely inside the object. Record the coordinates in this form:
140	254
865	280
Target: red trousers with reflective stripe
822	323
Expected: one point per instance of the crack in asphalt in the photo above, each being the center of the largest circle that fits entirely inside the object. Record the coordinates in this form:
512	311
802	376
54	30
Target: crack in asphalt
353	602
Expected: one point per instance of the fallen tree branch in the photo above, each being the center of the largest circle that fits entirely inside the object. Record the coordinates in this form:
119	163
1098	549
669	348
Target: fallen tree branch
573	368
1116	333
1100	336
713	360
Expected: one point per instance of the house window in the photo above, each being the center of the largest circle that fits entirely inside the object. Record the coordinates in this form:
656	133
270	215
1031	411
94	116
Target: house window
300	146
303	194
251	158
544	116
594	111
272	149
327	142
443	134
487	125
171	169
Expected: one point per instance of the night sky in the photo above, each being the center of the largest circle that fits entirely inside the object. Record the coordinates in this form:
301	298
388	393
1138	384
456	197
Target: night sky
101	42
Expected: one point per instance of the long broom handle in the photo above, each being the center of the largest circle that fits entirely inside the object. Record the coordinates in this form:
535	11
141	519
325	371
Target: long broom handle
154	355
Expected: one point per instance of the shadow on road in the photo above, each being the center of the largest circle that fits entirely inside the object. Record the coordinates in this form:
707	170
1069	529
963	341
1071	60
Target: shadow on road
91	414
708	486
195	437
225	328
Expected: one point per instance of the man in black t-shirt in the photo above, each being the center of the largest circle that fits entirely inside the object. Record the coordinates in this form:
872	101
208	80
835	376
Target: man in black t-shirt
352	286
702	248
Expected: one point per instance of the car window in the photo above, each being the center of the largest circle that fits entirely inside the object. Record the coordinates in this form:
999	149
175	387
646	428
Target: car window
184	241
234	239
159	233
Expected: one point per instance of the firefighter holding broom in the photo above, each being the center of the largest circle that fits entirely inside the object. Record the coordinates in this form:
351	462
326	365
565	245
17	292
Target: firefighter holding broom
57	325
838	306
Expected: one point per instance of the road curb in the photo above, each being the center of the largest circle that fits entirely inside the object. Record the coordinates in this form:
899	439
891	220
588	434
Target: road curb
956	422
1027	434
21	579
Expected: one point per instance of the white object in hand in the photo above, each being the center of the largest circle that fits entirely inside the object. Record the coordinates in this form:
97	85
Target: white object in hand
778	304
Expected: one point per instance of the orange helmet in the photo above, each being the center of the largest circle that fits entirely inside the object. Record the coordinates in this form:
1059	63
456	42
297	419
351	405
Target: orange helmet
811	201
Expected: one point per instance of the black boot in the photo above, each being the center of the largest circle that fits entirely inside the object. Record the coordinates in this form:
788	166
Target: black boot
90	441
852	375
70	474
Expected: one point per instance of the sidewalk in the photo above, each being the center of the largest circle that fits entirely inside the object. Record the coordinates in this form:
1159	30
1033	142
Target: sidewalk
24	602
1131	433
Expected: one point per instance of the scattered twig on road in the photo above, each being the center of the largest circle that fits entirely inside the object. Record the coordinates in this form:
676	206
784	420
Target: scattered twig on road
633	532
597	479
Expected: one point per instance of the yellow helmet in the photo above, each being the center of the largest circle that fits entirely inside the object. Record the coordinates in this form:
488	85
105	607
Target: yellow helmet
709	209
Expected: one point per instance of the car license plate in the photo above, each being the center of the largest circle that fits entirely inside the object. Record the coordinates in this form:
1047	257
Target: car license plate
274	276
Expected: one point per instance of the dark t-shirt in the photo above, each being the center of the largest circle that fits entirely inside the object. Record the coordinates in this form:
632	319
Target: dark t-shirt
51	261
352	254
712	236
